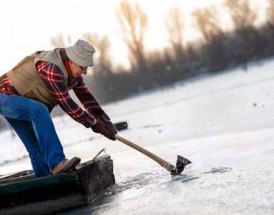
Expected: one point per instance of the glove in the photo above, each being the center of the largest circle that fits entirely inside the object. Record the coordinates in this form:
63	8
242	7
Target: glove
100	127
110	127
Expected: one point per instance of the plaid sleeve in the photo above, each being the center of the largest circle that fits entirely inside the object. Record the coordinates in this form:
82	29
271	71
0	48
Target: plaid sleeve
54	80
5	85
88	100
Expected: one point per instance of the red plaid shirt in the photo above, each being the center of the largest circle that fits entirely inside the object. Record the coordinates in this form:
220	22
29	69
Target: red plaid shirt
5	85
54	80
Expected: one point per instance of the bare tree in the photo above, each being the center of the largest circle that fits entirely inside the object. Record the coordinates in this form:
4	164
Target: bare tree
175	29
133	23
60	41
270	14
243	18
102	45
214	55
241	13
208	23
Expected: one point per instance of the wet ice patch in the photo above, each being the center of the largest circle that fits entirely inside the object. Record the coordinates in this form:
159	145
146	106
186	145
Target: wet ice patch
221	169
137	181
13	160
184	178
152	126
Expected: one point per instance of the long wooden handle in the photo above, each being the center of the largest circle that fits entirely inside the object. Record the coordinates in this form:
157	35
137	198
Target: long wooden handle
168	166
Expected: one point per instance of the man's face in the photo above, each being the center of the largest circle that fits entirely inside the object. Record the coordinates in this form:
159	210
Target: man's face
77	70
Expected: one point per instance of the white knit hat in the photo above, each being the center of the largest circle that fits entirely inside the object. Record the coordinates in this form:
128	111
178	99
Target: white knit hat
81	53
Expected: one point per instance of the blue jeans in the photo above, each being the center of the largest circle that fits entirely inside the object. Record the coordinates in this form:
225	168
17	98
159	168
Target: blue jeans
32	122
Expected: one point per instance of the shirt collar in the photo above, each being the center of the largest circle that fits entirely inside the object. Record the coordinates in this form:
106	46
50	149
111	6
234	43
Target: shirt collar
66	61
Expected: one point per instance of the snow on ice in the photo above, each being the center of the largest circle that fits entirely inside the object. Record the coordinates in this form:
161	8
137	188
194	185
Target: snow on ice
223	124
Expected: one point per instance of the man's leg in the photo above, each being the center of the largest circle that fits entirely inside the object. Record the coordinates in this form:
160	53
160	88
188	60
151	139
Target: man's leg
26	133
21	108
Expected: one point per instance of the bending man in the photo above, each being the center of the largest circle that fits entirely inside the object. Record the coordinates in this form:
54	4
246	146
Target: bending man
34	87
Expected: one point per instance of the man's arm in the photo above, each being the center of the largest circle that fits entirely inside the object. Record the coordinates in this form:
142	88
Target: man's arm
88	100
92	106
55	83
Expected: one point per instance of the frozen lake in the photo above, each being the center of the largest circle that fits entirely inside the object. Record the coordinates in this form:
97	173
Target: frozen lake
223	124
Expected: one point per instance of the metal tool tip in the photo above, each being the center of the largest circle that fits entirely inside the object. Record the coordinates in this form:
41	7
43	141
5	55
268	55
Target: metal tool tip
180	165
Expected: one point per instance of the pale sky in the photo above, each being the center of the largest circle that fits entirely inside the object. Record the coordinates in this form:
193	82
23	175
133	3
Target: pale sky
28	25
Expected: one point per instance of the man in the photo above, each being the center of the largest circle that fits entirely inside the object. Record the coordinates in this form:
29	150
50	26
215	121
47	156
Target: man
34	86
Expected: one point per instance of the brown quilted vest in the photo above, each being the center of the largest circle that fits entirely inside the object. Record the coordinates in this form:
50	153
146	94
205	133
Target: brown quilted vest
26	80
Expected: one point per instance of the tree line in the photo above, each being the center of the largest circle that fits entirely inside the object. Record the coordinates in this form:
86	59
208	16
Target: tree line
218	49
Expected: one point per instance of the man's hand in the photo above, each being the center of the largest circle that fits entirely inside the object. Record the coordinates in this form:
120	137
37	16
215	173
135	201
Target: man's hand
105	129
110	127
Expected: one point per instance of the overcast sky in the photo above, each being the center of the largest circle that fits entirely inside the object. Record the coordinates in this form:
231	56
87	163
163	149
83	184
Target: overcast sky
28	25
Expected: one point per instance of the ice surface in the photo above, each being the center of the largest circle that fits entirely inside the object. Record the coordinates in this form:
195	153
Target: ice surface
223	124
